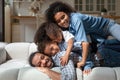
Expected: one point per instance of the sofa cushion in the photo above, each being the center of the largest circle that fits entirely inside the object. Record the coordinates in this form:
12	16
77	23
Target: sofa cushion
10	74
18	50
13	64
2	52
117	72
79	74
32	48
102	73
30	73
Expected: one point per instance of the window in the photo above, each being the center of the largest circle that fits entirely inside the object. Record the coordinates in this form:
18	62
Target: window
111	5
78	5
89	5
95	6
100	5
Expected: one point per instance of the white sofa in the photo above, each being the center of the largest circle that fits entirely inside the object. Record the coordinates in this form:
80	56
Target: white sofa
14	65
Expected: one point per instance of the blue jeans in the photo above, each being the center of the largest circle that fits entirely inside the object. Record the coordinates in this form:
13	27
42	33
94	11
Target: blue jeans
114	29
112	44
111	54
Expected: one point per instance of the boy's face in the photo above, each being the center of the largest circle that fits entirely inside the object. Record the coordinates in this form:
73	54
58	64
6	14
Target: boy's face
51	49
62	19
41	60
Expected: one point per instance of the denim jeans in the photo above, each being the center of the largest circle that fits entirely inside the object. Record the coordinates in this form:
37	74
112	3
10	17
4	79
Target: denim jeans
110	54
114	29
112	44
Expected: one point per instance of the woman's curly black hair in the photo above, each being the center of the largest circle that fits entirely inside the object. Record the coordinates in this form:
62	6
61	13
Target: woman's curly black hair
42	36
55	7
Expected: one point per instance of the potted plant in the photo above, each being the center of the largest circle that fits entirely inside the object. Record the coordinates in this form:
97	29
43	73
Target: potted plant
103	11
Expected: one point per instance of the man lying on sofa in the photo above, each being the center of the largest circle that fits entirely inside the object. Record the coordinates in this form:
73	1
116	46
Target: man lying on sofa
44	63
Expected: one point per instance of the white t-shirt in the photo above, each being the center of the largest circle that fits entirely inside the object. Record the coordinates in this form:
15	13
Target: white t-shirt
67	35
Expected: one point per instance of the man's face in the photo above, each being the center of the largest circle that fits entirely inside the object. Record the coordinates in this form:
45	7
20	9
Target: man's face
51	49
41	60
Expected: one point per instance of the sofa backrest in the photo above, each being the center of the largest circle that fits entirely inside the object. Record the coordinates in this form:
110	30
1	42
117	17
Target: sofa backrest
20	50
2	52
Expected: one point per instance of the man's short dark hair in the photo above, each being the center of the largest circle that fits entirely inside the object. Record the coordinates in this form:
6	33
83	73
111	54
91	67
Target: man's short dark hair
31	58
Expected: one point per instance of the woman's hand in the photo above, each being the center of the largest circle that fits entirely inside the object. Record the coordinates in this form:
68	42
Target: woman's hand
80	64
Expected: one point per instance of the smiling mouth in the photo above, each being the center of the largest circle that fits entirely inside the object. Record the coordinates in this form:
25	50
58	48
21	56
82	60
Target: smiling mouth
49	64
66	23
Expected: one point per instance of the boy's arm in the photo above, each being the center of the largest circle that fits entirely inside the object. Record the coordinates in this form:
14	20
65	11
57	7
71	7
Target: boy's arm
69	46
64	59
85	48
69	39
52	74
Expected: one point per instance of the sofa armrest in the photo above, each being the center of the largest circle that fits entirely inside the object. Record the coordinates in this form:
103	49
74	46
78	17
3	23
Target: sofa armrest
2	52
10	74
30	73
103	73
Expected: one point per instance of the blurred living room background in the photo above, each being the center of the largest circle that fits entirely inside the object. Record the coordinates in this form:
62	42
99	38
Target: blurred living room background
19	19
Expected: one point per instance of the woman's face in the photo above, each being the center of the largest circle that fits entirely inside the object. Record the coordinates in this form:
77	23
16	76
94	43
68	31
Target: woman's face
62	19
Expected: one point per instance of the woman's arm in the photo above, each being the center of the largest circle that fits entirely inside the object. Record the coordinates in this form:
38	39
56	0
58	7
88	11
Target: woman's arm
85	48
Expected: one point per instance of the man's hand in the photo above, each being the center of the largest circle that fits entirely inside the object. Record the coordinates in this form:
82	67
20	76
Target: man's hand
42	69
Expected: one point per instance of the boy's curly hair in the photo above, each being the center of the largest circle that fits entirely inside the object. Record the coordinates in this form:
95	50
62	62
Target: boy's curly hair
46	30
40	34
42	45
